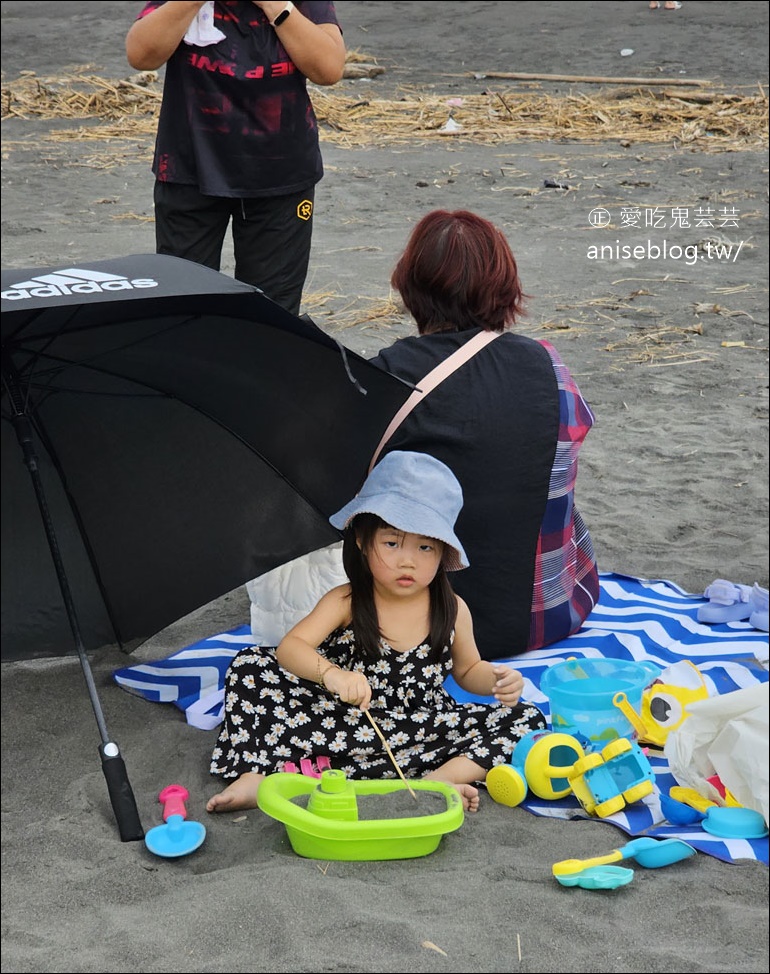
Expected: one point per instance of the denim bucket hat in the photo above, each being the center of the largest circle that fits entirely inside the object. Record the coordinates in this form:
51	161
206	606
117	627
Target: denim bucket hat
413	492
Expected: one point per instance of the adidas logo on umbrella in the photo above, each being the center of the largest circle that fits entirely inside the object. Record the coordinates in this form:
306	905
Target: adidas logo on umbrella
73	280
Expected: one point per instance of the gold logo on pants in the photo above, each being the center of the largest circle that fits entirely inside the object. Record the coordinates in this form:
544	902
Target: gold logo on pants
305	209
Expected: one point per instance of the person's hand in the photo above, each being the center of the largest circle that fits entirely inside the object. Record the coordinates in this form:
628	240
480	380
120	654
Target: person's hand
508	686
351	687
273	8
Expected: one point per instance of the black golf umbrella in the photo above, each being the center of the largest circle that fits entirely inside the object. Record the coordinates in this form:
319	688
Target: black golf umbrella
168	433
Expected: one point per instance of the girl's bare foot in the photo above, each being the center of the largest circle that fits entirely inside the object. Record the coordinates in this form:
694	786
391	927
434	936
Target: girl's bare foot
470	797
458	772
242	793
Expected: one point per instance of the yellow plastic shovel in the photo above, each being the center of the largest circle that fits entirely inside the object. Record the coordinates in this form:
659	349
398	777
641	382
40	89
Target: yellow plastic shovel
648	852
692	798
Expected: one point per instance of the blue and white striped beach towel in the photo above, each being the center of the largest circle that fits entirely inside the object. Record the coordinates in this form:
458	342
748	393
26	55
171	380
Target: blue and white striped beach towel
636	619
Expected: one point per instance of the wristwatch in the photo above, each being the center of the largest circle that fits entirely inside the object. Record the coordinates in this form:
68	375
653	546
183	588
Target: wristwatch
283	14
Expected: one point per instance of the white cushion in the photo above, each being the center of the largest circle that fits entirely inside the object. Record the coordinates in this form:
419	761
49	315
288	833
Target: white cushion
283	596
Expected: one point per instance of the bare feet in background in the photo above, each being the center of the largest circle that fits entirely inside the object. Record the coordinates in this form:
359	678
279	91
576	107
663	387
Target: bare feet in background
470	797
241	794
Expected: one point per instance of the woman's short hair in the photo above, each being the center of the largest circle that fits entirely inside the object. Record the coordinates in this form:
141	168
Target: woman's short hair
457	272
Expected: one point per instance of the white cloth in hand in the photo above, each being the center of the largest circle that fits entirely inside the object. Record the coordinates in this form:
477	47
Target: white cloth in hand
202	31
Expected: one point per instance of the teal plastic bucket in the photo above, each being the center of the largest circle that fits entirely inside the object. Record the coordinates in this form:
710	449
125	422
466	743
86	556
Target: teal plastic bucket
581	694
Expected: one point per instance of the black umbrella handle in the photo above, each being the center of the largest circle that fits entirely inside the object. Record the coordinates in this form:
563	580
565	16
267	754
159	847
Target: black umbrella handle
118	785
121	795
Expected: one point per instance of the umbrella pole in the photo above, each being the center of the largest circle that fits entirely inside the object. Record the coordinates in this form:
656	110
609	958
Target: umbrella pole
113	766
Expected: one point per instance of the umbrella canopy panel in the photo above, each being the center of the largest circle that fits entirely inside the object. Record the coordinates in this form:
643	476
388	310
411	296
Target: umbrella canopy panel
190	436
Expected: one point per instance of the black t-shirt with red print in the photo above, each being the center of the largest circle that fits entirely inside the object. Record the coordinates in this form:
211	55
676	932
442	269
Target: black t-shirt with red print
236	118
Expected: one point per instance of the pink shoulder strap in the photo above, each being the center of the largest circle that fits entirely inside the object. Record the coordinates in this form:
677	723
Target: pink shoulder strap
431	380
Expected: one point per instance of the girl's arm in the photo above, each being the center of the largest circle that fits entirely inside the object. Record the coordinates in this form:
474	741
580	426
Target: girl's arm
298	654
151	41
476	675
317	50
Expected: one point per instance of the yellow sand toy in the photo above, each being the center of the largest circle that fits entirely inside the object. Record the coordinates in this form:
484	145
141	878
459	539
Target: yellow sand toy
541	763
605	782
551	765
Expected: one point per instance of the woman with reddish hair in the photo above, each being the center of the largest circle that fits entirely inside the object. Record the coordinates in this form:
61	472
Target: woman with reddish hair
509	422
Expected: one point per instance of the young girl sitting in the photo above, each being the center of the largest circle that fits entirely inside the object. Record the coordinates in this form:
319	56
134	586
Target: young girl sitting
385	641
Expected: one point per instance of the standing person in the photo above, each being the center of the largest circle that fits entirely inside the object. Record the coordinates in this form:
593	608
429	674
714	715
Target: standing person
509	422
384	641
237	136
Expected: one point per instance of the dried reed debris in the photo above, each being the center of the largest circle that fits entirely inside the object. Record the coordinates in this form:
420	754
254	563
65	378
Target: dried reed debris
709	120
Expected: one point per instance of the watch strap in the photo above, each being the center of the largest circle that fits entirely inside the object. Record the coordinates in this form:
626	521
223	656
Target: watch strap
282	15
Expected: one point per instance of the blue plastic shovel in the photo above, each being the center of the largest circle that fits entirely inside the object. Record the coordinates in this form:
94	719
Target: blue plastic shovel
648	852
177	837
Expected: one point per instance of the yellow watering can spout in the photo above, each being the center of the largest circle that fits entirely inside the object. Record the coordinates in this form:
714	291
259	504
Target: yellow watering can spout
621	702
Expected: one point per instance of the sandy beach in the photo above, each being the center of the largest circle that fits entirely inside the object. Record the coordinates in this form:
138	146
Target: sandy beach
661	317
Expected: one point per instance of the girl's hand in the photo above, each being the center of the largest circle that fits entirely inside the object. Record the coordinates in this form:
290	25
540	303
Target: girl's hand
508	686
351	687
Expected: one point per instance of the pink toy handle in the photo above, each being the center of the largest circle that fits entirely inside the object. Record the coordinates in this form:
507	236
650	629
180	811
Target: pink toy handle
173	798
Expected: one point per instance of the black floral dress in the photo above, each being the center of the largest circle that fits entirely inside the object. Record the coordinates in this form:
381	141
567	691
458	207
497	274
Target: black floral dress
272	716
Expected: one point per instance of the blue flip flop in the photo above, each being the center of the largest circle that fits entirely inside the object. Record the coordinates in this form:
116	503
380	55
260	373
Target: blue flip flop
727	602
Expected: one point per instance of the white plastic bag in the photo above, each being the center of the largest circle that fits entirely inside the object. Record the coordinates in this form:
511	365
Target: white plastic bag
725	735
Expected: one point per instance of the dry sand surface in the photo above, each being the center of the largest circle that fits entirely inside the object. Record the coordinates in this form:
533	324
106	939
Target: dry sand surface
671	352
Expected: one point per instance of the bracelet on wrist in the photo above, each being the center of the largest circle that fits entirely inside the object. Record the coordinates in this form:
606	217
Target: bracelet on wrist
281	18
321	674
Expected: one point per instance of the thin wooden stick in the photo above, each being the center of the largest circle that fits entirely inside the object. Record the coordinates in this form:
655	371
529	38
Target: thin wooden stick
381	736
589	79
